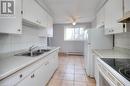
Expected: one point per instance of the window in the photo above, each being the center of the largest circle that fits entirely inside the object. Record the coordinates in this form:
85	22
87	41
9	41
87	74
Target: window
76	33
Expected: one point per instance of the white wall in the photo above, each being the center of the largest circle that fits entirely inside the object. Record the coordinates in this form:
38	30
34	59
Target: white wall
122	40
67	46
11	42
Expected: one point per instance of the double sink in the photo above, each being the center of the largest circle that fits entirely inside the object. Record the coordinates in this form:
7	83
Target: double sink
33	53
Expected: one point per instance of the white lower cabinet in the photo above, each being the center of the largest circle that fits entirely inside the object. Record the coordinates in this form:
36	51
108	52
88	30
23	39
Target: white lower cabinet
36	74
37	78
96	70
28	81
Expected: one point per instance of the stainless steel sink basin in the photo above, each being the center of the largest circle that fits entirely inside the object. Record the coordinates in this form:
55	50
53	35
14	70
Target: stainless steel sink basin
34	53
44	50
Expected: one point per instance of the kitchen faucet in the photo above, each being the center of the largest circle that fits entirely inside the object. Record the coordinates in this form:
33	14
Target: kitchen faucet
31	49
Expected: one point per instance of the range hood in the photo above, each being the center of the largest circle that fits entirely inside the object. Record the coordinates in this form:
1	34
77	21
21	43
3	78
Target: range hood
126	18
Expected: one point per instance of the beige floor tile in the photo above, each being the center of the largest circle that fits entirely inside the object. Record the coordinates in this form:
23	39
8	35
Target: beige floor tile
54	83
79	71
80	77
58	76
69	70
80	83
69	77
79	68
90	80
91	84
66	83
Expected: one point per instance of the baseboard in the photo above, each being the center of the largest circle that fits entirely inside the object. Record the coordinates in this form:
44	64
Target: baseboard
70	53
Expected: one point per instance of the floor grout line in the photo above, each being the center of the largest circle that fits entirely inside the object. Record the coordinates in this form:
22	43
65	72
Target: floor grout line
74	76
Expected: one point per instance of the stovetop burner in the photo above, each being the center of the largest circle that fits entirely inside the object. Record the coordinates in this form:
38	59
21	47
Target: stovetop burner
122	66
125	72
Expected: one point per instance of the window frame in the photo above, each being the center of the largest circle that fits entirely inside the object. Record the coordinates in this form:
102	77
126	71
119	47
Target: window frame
74	27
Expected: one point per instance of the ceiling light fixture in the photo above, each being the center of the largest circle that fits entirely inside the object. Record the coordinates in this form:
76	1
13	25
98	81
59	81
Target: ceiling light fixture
74	23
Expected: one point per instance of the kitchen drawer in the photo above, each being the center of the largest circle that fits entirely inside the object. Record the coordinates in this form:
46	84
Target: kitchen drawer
114	79
21	74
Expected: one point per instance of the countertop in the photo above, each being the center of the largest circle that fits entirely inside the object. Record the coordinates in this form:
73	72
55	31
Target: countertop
113	53
10	64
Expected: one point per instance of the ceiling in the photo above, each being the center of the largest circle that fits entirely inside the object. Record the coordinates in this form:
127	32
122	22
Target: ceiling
65	11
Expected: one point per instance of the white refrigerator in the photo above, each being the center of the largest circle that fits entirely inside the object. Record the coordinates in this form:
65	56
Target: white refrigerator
94	39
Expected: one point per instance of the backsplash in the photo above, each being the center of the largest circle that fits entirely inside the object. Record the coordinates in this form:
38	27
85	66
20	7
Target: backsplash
122	40
13	42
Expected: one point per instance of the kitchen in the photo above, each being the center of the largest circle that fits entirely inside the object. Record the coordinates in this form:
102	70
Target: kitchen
64	43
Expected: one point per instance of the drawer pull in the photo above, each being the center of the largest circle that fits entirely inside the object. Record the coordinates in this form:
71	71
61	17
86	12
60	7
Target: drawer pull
19	30
20	75
32	76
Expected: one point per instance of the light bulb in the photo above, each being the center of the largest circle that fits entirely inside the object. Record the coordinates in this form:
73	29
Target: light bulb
74	23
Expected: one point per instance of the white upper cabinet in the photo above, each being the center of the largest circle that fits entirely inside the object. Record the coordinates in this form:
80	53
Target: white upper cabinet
27	10
101	17
113	12
50	26
48	31
33	13
127	5
11	23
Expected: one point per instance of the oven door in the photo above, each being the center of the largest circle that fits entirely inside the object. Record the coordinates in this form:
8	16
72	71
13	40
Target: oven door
103	81
106	78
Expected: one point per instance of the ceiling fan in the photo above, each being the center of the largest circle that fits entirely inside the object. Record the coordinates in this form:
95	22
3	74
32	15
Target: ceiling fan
74	19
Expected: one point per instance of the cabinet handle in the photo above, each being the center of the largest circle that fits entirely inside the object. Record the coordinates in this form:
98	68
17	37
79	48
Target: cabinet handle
19	30
112	30
20	75
32	76
22	12
124	28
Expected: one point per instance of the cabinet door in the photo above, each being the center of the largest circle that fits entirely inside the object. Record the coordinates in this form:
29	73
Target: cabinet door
28	81
33	13
43	18
101	17
50	26
113	12
127	5
29	10
12	23
41	73
37	78
55	62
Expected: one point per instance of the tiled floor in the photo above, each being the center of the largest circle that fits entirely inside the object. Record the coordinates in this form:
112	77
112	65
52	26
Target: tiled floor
71	73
